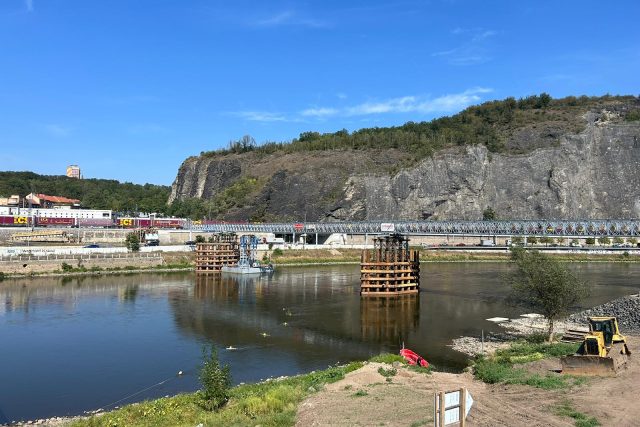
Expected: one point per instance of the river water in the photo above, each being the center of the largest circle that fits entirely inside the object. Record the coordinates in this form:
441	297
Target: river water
77	344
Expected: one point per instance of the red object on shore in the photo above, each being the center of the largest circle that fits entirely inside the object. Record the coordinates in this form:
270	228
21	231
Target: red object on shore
413	358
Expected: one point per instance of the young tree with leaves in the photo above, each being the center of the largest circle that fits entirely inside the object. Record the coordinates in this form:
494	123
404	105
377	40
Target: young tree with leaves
544	285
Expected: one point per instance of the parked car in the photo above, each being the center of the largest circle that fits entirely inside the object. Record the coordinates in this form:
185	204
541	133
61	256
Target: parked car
190	242
92	246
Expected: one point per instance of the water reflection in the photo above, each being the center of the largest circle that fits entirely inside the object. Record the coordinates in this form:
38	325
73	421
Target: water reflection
76	344
389	320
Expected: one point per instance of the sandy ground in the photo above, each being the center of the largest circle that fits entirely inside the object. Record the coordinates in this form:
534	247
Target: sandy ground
365	398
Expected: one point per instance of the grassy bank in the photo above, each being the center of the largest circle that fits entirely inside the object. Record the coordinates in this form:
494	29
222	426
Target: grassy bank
506	365
315	256
270	403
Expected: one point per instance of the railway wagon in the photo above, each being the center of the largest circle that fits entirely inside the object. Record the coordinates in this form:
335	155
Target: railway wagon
15	221
127	222
168	222
95	222
55	222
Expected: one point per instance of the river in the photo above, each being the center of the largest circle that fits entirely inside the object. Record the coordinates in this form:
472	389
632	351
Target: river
77	344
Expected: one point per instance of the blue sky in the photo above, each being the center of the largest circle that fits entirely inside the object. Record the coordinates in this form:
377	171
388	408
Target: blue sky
128	89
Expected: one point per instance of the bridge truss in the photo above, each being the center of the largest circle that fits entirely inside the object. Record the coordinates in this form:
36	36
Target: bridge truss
585	228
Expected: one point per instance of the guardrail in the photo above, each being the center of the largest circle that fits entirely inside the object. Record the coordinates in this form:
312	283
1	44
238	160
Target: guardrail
567	228
79	257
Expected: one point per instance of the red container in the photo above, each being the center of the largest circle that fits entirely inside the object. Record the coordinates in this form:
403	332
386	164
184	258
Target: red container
55	222
168	223
15	221
95	222
126	222
143	222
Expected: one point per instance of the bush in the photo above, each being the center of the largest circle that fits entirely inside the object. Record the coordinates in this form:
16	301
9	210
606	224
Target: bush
277	252
215	380
200	239
66	268
1	276
132	242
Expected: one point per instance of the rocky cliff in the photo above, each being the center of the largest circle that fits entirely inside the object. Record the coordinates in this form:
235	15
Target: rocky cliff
589	174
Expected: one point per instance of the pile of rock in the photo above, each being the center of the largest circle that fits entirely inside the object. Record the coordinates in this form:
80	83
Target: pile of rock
626	309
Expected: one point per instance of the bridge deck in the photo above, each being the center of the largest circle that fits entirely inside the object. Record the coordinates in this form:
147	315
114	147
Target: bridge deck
586	228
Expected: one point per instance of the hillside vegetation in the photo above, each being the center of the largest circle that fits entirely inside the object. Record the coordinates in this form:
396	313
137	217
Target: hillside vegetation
495	124
93	193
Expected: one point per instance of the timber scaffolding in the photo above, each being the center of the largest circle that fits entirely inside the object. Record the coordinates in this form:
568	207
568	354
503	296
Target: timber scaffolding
391	268
222	250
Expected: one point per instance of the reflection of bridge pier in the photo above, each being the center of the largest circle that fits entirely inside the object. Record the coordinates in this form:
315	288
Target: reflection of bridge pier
389	319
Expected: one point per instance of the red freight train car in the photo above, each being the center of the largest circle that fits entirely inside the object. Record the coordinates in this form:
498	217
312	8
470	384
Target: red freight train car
15	221
55	222
95	222
133	222
168	223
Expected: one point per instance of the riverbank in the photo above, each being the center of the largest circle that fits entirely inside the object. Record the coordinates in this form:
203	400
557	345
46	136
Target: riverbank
163	261
520	386
367	393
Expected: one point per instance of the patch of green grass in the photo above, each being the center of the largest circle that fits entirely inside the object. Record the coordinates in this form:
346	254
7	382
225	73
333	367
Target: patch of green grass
360	393
566	409
387	358
523	352
421	370
387	372
501	367
271	403
421	423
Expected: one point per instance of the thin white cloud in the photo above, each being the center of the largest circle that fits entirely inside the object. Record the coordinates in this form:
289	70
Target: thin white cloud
319	112
424	105
57	130
260	116
472	51
275	20
483	35
29	4
288	18
406	104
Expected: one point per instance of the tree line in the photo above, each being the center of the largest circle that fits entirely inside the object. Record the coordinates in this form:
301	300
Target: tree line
488	124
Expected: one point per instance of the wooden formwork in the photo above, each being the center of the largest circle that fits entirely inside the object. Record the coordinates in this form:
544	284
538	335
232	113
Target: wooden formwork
391	268
221	251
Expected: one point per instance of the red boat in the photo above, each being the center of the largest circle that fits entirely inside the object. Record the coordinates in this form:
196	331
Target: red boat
413	358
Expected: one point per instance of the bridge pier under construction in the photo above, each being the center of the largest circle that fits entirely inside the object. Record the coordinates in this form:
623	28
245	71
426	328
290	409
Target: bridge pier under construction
391	268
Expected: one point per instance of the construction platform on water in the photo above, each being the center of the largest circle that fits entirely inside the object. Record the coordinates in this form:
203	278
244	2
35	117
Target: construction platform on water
391	268
225	253
221	251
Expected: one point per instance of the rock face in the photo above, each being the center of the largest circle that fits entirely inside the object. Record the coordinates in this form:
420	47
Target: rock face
594	174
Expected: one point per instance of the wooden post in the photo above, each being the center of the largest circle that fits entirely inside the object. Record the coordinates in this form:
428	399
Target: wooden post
463	406
442	409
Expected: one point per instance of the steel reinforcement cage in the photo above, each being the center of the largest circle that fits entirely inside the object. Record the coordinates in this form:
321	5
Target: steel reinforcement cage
585	228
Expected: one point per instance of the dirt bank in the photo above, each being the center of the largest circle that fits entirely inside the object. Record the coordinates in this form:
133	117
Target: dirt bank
365	398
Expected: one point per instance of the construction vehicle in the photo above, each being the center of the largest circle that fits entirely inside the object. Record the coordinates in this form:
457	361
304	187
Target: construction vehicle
603	350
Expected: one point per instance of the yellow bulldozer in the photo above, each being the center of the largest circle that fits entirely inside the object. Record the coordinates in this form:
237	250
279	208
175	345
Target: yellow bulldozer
603	350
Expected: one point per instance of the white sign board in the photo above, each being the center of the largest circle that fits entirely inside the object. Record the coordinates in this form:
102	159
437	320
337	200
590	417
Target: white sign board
452	407
387	227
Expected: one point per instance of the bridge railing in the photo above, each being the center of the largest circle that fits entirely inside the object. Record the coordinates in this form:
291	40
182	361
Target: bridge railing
584	228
